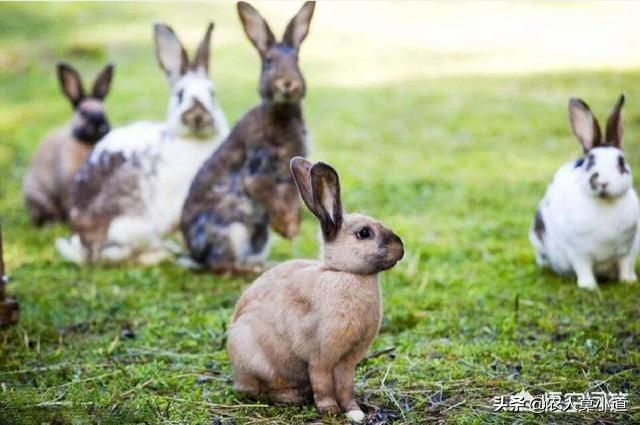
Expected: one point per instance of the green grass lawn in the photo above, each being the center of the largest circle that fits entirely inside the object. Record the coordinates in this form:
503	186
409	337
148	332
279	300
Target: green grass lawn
443	144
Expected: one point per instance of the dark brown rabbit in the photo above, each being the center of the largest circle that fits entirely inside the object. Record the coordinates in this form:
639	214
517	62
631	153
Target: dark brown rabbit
62	152
302	327
246	184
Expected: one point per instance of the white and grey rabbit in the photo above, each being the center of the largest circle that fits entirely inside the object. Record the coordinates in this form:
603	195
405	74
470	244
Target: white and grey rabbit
60	154
587	222
302	327
128	195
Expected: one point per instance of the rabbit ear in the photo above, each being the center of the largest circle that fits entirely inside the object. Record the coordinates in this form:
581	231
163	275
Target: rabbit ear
256	27
614	124
71	83
584	124
326	199
171	55
201	61
103	82
298	28
300	168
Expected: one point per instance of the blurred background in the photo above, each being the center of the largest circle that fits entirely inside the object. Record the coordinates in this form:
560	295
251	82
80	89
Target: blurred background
413	82
446	120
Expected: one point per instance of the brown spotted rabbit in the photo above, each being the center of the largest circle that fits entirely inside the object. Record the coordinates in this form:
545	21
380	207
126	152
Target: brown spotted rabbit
301	327
245	186
62	152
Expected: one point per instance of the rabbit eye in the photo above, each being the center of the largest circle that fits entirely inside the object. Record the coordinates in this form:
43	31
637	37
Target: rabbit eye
364	233
180	95
621	165
591	161
268	63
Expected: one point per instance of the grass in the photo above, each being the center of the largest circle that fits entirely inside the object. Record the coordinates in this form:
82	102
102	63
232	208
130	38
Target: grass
449	137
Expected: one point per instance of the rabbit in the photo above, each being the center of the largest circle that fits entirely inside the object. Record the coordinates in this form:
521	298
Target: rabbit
587	222
245	186
50	174
127	197
302	326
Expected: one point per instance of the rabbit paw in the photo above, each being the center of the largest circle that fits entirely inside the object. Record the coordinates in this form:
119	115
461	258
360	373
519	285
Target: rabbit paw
328	405
355	416
629	278
589	284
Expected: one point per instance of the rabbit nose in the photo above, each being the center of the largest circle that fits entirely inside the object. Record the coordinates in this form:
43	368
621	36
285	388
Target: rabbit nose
398	249
196	120
393	245
288	86
596	186
96	118
99	123
197	116
294	87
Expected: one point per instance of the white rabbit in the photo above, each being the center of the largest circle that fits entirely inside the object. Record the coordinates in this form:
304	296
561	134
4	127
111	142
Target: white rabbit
128	196
302	327
587	222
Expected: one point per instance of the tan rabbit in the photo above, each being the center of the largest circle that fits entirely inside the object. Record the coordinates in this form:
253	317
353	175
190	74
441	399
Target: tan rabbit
62	152
301	327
